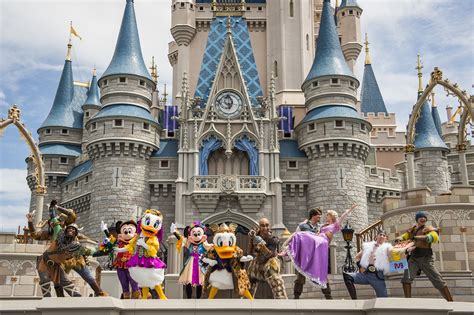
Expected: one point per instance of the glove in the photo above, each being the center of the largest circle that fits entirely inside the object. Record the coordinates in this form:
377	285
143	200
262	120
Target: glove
141	242
120	250
246	258
173	228
103	226
210	262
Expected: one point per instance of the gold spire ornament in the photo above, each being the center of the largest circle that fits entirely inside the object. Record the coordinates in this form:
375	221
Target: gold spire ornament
153	68
367	56
433	99
418	67
68	55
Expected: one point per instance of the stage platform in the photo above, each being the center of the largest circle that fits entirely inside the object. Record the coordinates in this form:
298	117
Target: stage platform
113	306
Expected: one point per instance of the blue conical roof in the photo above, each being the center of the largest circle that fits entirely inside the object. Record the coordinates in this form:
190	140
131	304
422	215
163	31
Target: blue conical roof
371	98
436	119
61	114
329	59
93	96
349	3
426	134
128	57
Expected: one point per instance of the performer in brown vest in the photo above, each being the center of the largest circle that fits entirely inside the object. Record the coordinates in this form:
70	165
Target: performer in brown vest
421	256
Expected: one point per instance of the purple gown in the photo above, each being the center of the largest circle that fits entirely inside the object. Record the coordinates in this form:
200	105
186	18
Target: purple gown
309	253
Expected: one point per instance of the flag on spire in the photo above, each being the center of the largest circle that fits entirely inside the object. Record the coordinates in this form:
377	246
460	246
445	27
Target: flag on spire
72	31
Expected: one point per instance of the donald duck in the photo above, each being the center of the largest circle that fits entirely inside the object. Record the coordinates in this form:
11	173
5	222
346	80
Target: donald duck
226	260
145	267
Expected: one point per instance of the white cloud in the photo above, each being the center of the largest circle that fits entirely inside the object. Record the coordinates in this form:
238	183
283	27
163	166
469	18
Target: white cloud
14	198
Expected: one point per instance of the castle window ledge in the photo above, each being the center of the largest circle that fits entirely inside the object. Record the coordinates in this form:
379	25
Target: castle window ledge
64	131
118	123
339	124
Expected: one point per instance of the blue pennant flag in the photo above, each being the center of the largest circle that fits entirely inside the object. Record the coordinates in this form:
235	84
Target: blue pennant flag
286	124
171	125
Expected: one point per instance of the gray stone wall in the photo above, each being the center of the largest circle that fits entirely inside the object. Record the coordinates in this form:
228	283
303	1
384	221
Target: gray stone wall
130	91
327	93
131	128
326	129
73	135
120	189
433	168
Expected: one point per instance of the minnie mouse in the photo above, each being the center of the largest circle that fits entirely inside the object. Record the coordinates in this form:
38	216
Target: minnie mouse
195	243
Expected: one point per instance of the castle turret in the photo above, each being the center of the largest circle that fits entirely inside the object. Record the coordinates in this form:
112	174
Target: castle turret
333	134
348	16
430	149
60	135
183	29
123	134
371	100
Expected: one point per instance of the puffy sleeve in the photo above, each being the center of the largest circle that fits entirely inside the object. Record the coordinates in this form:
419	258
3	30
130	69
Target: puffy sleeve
153	246
432	237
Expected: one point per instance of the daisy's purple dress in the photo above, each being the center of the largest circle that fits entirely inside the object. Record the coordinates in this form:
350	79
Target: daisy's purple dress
309	253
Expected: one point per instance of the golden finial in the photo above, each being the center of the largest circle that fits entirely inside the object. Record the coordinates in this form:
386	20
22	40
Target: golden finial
94	72
164	94
154	72
337	6
433	99
68	55
419	66
367	56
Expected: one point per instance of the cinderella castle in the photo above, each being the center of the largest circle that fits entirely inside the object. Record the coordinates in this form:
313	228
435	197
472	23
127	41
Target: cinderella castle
265	120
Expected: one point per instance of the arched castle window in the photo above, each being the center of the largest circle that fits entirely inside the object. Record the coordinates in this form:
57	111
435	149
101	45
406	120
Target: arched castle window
292	13
275	68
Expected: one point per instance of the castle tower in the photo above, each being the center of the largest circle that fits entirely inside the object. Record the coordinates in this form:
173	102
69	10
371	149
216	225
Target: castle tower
333	134
183	29
348	16
290	56
60	135
91	106
387	142
123	134
430	150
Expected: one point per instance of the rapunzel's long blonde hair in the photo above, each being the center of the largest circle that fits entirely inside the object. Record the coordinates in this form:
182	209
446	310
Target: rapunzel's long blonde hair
333	214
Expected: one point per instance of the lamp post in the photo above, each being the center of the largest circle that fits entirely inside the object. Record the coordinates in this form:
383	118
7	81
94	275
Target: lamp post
348	234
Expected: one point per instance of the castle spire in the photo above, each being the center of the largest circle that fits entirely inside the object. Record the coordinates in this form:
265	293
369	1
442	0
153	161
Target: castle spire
418	67
128	57
329	59
427	135
61	113
93	96
371	100
367	55
435	115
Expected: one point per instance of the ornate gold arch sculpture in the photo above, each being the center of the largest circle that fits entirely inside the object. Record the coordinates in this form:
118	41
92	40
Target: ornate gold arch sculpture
452	89
40	189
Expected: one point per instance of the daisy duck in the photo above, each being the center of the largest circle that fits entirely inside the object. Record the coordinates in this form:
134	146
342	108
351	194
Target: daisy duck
145	267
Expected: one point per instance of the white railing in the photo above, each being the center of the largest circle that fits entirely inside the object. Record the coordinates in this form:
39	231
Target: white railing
229	183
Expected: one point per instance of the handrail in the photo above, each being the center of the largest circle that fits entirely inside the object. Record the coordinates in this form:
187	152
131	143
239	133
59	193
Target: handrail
367	234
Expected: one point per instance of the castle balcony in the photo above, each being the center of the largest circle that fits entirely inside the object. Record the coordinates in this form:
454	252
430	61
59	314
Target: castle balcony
206	191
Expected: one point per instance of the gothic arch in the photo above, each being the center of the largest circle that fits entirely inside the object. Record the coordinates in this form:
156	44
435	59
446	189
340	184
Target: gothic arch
231	216
437	79
40	189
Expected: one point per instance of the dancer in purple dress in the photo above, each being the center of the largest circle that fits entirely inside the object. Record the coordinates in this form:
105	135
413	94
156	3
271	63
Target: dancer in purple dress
309	251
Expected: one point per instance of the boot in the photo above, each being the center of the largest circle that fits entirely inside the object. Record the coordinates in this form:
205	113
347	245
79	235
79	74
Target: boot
327	292
136	295
349	282
446	294
98	291
59	291
407	289
125	295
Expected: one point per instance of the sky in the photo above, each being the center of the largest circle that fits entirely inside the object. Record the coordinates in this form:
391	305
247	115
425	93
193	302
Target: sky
34	35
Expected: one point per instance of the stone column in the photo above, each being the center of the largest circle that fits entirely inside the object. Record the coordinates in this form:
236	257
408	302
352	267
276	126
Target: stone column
410	170
463	167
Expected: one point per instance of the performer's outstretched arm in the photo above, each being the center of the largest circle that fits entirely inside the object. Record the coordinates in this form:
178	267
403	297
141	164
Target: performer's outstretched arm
345	214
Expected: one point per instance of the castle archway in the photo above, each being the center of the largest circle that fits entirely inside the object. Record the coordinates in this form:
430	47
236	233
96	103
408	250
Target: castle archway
40	189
